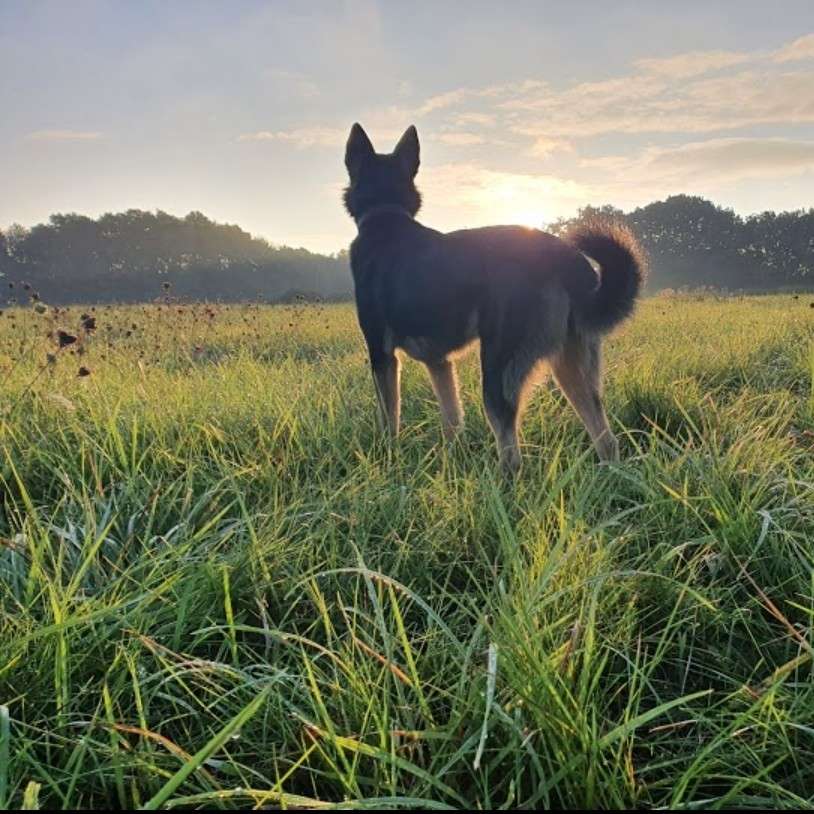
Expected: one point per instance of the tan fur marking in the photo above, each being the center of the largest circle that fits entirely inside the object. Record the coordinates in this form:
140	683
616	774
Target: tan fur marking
445	385
577	369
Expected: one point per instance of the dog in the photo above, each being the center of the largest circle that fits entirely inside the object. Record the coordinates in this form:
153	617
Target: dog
528	296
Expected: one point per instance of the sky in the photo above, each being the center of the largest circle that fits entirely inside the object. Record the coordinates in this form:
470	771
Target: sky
526	111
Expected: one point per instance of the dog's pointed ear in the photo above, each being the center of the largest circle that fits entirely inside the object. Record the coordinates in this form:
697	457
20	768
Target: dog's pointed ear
407	150
357	149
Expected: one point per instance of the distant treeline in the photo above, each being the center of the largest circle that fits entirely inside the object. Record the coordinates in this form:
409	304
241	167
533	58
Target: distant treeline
136	256
692	242
133	255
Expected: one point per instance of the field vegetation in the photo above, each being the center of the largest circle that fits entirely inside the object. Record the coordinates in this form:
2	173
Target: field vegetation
221	587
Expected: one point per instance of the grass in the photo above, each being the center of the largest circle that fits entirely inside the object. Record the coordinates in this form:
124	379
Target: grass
221	588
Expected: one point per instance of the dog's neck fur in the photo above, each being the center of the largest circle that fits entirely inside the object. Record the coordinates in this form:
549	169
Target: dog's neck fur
382	209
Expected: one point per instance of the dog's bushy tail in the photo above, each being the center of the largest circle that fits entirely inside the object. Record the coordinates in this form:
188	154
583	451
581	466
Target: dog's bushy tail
622	271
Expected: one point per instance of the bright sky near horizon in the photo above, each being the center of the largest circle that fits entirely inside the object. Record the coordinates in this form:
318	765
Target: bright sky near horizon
525	110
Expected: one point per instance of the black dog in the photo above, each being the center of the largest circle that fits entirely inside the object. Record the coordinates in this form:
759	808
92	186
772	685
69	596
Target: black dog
527	295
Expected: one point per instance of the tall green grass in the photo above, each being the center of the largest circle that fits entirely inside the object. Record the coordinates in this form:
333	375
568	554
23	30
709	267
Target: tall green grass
220	587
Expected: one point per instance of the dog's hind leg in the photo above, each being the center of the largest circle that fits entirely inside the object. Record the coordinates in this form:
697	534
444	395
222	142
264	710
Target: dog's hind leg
577	369
386	374
445	385
502	393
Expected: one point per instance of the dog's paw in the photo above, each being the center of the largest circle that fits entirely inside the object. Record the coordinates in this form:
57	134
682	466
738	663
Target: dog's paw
607	447
510	461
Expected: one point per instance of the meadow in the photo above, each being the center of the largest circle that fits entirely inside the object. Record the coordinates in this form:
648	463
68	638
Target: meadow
221	587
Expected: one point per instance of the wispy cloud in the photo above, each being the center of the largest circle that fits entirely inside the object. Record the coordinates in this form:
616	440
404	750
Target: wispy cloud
461	139
473	118
693	63
443	100
721	159
716	168
738	158
697	111
301	136
650	103
336	136
802	48
693	92
544	146
64	135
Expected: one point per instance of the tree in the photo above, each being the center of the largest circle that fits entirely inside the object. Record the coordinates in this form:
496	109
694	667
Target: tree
693	242
126	256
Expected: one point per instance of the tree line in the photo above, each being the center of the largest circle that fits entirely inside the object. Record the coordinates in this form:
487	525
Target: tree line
693	243
136	255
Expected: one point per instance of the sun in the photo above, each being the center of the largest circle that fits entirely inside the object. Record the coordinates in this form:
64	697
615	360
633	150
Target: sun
533	219
515	202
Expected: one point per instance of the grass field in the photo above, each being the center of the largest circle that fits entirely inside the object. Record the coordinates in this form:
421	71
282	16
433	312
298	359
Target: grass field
221	587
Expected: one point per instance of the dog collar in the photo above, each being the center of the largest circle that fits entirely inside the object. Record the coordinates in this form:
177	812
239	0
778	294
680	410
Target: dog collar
384	209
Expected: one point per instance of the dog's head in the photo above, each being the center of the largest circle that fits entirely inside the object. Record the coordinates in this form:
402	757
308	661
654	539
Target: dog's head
381	179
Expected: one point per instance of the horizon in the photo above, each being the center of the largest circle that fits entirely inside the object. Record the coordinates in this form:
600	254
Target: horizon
243	113
337	253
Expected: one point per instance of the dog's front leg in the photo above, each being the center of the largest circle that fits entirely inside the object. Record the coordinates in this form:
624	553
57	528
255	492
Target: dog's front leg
445	384
386	374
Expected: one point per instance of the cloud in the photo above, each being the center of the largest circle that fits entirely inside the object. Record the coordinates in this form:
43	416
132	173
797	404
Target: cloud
544	146
465	194
713	161
692	63
290	83
319	136
802	48
698	100
301	137
461	139
692	92
733	159
477	119
651	103
443	100
64	135
454	98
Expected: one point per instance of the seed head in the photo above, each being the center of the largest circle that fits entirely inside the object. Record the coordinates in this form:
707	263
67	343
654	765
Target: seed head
65	338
